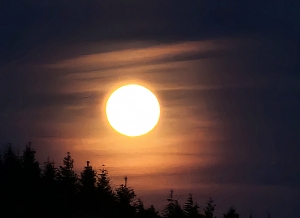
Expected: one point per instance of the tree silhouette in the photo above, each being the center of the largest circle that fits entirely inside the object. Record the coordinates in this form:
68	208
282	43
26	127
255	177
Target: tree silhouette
190	208
141	212
67	176
10	158
50	172
68	183
125	198
125	195
151	213
105	195
173	209
103	184
87	195
30	180
30	164
139	208
88	179
209	209
50	189
30	167
26	192
11	186
231	213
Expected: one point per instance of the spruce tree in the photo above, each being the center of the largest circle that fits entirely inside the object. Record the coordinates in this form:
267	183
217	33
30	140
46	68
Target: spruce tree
30	166
50	172
31	181
231	213
68	178
88	179
190	208
12	184
103	183
209	209
173	210
105	195
50	189
87	196
68	183
125	198
151	213
139	208
125	195
141	212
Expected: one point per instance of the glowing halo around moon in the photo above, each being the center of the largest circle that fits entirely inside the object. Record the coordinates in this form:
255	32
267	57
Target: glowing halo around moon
132	110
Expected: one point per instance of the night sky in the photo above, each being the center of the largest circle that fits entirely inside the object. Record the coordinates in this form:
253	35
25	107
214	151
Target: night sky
226	74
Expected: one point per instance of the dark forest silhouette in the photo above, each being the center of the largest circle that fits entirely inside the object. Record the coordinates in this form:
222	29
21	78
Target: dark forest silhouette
28	191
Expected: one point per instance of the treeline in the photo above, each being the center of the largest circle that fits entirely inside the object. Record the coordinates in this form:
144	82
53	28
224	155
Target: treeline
26	190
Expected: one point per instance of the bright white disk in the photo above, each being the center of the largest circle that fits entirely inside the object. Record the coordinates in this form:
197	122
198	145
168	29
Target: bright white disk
132	110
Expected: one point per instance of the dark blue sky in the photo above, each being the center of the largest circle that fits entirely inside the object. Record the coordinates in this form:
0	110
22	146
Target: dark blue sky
226	74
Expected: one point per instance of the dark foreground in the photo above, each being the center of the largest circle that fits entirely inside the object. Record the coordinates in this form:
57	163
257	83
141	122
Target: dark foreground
26	190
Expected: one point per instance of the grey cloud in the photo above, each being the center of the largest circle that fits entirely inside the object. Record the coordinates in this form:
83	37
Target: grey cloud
25	101
246	173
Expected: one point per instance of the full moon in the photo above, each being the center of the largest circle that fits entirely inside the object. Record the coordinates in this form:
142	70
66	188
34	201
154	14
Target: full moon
132	110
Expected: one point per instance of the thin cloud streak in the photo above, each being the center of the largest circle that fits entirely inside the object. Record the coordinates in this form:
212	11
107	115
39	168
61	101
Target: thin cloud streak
110	59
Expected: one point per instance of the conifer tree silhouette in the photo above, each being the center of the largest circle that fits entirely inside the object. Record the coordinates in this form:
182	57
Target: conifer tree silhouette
50	172
151	213
105	195
190	208
68	183
103	183
141	212
30	168
67	176
31	181
173	208
231	213
50	189
125	195
26	192
209	209
88	179
125	198
87	195
139	208
30	165
11	189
